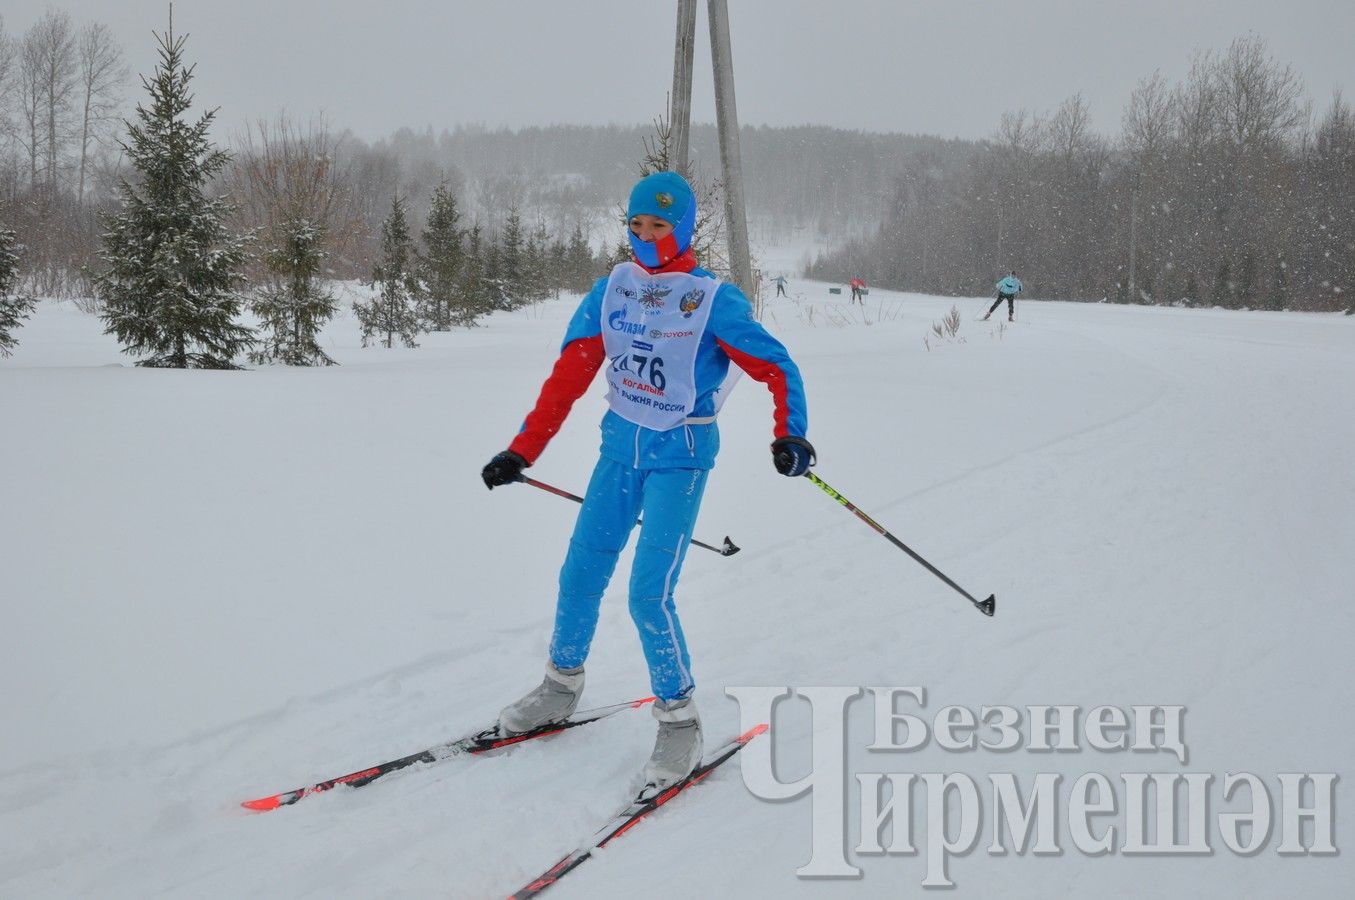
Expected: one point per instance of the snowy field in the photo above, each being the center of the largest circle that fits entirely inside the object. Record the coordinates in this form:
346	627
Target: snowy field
217	585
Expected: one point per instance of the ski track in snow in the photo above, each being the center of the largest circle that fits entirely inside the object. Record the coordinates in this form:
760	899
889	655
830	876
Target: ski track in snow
227	584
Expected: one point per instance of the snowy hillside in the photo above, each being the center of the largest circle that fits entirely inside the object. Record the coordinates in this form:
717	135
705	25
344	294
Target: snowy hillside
221	584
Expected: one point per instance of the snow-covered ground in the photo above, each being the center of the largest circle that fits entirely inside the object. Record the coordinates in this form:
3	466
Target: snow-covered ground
219	585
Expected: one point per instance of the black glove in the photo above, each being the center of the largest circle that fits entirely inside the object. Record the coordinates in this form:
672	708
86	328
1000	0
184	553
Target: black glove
793	455
505	468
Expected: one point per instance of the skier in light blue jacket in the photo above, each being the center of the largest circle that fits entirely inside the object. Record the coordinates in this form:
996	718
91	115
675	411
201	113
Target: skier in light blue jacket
1007	289
664	333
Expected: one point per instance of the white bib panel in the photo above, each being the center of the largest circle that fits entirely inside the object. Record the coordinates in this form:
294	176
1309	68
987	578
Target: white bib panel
651	328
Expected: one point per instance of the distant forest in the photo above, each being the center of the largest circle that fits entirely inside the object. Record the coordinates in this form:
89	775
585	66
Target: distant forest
810	177
1222	189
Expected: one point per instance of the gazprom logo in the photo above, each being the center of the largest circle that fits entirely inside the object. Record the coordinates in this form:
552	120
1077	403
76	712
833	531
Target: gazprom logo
617	322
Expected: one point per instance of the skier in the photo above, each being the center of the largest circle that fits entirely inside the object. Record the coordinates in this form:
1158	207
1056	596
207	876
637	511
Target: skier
1007	289
858	290
665	331
780	281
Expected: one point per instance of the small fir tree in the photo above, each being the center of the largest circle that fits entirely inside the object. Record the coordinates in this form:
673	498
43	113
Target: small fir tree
536	265
472	282
295	307
621	253
512	263
170	291
492	280
557	271
442	266
393	312
13	307
582	268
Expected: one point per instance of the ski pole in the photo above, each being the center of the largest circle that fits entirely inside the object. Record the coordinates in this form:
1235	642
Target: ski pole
987	607
729	548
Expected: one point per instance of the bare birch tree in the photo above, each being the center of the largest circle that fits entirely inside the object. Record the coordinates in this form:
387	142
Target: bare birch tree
29	89
101	77
9	54
52	56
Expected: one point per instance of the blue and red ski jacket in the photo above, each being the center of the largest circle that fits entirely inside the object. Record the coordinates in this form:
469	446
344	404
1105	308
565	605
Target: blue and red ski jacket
731	335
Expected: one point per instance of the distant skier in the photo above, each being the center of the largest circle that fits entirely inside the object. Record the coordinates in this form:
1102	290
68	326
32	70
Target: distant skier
1007	289
858	290
665	332
780	281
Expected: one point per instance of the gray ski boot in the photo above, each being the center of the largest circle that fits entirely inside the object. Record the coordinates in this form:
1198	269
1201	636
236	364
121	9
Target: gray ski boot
677	748
554	700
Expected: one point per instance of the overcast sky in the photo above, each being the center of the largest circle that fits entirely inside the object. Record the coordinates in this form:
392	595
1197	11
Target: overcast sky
946	67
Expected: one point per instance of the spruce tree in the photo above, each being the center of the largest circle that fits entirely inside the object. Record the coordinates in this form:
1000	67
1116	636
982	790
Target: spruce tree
13	307
557	268
493	282
621	252
536	265
442	266
512	261
582	267
394	311
472	283
170	291
294	307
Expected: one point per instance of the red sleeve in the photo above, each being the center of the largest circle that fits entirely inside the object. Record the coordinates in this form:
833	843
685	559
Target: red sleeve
770	374
573	372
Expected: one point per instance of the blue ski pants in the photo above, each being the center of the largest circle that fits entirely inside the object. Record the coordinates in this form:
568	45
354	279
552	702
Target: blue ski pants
668	501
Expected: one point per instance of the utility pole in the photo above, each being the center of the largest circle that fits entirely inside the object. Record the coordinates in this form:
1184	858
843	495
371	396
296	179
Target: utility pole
727	121
680	112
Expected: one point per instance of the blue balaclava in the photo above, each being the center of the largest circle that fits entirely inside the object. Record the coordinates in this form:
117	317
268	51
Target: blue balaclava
668	196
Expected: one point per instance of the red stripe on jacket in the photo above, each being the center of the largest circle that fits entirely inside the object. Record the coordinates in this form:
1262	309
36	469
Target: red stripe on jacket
769	374
573	372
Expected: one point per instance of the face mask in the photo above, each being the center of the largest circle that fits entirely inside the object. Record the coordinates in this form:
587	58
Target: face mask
656	254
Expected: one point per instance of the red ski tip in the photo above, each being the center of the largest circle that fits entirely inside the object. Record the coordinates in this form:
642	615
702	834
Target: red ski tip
263	804
636	704
752	733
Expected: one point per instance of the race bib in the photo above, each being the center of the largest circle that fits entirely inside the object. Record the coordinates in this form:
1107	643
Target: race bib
651	328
